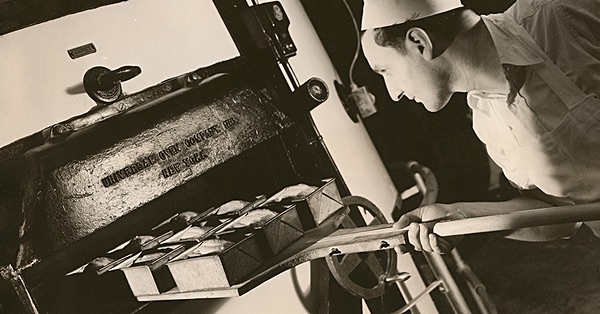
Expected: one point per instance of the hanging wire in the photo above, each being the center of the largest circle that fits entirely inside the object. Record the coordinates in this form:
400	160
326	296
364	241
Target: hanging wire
351	70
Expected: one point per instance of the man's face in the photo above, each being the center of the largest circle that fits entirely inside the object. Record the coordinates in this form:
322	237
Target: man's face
408	73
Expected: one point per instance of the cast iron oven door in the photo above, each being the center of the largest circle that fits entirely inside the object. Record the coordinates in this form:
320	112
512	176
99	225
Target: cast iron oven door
86	179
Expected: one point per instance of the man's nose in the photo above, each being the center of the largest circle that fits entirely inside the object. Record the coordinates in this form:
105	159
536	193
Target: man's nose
395	93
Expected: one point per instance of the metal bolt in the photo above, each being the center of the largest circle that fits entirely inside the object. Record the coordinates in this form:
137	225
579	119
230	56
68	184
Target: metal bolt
402	277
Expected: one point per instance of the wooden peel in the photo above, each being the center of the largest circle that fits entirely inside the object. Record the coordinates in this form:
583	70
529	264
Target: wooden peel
327	240
520	219
494	223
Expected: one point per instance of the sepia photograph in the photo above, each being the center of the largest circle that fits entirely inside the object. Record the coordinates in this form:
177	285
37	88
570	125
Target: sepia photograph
300	156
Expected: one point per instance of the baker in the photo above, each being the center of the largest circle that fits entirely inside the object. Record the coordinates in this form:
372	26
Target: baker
532	76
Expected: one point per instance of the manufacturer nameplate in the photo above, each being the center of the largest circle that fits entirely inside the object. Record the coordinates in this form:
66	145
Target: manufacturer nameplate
181	150
82	51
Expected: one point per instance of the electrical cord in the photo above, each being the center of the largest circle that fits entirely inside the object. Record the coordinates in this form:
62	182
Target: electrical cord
355	57
359	96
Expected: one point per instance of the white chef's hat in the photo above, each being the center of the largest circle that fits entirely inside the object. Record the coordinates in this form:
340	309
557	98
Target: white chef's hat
382	13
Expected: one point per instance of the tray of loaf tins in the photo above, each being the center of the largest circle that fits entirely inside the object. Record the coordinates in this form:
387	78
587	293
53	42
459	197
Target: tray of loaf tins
142	258
217	249
237	250
224	246
198	235
269	228
213	262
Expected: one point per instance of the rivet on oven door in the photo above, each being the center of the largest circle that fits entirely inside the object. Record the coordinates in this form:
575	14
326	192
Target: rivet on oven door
193	77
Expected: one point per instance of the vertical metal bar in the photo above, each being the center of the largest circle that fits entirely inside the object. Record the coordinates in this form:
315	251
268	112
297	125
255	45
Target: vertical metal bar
428	187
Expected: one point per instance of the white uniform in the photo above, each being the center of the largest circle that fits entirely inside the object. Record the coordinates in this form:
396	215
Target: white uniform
549	137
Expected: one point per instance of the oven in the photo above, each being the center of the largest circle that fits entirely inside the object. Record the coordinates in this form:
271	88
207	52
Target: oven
141	119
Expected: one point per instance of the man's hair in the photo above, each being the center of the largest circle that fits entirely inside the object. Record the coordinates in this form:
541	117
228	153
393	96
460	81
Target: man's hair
442	27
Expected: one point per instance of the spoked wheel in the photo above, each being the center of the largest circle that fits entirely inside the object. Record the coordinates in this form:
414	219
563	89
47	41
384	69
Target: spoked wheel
363	274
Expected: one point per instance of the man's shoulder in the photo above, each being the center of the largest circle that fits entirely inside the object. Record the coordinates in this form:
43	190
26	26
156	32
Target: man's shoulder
576	21
526	9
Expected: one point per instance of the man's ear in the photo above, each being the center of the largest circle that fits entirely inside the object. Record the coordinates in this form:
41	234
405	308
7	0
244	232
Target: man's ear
420	42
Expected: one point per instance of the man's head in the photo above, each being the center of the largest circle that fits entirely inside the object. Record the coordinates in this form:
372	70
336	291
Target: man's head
405	46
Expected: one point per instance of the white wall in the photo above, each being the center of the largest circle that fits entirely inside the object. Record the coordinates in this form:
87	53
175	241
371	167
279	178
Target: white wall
41	85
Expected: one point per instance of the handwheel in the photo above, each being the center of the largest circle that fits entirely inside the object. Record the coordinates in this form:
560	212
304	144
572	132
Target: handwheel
363	274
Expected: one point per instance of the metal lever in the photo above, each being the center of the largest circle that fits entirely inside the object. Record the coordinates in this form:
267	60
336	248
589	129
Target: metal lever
114	77
104	85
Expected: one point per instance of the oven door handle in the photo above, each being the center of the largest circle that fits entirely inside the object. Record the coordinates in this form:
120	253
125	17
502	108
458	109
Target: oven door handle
124	73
